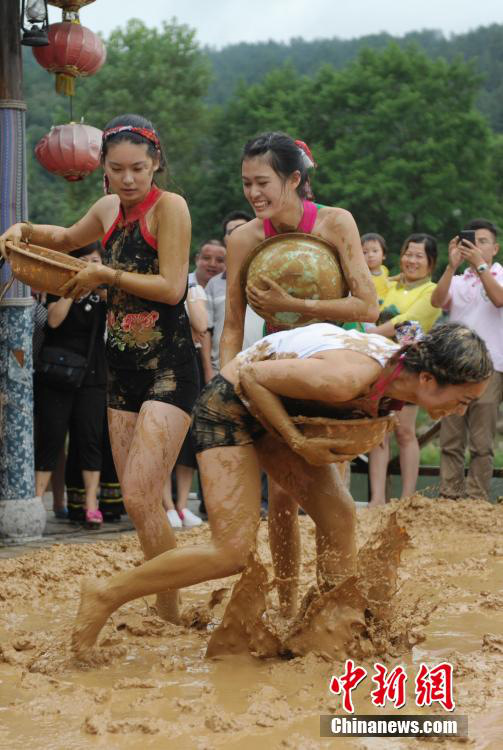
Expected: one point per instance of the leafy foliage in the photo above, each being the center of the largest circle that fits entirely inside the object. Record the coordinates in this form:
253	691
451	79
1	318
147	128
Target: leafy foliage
397	131
251	62
396	136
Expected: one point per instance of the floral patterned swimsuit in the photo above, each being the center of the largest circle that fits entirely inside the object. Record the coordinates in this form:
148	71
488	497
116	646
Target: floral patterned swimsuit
150	353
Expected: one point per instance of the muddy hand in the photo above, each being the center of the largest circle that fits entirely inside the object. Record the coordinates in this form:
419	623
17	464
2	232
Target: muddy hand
13	234
84	281
269	297
321	451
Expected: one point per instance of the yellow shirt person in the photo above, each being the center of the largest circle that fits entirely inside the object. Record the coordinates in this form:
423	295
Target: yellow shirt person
412	301
381	283
374	250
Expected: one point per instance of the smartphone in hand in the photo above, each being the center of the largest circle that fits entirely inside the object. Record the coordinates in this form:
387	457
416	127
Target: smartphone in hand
466	234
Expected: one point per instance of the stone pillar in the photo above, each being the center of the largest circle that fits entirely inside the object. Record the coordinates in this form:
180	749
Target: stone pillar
22	516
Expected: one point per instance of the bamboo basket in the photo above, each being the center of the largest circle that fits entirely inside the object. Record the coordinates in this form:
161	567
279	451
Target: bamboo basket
349	436
43	269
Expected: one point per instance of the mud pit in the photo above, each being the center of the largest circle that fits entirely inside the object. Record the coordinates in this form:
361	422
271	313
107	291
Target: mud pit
149	686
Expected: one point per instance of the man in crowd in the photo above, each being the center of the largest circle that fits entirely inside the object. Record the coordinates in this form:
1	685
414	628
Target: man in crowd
474	298
210	261
216	291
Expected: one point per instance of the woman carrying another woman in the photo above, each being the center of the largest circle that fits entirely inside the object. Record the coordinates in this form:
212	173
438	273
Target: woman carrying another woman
274	171
408	299
322	365
152	383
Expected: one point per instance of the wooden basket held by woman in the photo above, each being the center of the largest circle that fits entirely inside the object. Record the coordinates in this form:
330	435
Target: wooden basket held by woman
304	265
351	437
43	269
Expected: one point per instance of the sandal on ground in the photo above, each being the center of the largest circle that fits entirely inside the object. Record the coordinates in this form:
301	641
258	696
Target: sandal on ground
94	519
61	513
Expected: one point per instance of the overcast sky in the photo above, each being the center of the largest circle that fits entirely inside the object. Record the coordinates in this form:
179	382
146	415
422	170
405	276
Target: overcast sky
221	22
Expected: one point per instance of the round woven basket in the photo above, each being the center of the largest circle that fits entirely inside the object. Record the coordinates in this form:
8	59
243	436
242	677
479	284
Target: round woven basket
43	269
349	436
304	265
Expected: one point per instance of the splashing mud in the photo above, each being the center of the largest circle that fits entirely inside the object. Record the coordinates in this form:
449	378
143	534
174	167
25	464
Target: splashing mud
148	685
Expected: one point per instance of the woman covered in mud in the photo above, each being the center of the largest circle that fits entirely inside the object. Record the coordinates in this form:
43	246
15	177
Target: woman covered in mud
275	175
153	380
322	366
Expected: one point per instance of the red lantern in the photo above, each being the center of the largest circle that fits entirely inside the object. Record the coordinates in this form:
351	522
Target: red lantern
73	51
70	151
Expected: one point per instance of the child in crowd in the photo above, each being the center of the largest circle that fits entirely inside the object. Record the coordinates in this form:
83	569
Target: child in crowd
374	251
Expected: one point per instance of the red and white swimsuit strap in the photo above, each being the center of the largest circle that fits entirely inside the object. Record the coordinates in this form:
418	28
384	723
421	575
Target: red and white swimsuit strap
137	213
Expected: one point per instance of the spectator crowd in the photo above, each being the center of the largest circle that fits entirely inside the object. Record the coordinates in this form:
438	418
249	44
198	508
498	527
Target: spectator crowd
71	436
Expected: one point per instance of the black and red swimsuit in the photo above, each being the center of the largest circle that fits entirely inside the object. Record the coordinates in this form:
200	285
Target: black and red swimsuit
150	351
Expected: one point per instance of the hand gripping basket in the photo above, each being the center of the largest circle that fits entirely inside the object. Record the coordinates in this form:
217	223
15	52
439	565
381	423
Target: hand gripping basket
350	437
43	269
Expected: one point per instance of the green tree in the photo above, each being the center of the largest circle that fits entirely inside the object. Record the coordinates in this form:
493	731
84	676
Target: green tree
396	135
400	143
252	62
273	104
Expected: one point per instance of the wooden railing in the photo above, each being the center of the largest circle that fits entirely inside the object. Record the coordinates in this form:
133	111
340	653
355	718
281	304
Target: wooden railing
360	465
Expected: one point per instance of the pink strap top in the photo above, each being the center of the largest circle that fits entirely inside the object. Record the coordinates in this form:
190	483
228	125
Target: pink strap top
306	223
377	392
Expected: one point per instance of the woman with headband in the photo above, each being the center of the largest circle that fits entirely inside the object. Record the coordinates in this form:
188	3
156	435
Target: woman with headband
275	178
153	379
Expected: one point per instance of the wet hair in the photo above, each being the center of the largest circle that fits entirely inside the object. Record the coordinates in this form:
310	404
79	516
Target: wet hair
284	156
483	224
430	247
135	121
233	216
87	250
451	352
374	237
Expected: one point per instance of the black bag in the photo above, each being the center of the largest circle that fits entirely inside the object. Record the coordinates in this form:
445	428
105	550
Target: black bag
61	368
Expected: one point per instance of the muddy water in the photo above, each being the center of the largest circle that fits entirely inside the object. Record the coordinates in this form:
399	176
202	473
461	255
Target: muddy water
149	686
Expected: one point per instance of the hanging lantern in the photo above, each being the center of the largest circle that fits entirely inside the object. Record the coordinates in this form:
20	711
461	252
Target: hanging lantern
71	151
73	51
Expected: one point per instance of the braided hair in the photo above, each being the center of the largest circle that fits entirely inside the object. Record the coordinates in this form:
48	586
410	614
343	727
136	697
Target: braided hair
451	352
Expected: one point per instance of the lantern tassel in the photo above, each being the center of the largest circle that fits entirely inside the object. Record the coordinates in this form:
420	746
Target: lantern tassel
65	84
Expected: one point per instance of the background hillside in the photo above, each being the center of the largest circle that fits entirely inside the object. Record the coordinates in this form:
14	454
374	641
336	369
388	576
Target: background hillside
407	132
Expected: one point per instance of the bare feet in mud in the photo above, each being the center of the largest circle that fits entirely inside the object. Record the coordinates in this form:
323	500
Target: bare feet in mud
92	615
167	606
